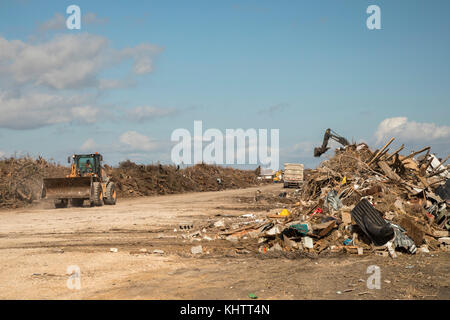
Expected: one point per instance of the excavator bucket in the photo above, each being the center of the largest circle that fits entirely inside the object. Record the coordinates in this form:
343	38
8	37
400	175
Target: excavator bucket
319	151
67	188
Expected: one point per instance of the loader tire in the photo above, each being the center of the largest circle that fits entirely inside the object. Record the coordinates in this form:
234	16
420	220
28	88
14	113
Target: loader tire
111	195
61	203
76	202
98	195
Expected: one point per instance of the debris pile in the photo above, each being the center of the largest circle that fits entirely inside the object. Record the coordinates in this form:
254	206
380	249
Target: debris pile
144	180
21	179
360	201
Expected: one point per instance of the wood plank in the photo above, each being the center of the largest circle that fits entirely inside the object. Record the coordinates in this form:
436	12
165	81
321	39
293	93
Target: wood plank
388	171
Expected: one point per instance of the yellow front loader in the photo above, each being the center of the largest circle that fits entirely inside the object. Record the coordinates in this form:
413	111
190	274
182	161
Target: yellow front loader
86	181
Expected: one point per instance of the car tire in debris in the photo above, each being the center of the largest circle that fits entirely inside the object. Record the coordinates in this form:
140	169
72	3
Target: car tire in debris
111	195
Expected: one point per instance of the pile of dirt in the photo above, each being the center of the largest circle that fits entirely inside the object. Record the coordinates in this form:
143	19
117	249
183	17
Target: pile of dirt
144	180
21	179
358	201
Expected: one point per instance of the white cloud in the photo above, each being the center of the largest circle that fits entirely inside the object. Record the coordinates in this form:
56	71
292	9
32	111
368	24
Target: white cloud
137	142
68	61
34	110
146	113
57	22
303	149
410	131
92	18
89	145
41	82
105	84
142	55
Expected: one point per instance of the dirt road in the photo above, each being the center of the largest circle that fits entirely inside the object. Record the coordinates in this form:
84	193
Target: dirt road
39	243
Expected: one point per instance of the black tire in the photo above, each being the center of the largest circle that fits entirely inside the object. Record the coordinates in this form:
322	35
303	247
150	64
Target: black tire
98	195
76	202
61	203
111	195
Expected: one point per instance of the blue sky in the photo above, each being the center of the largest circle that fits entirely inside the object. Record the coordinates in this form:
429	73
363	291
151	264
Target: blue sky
297	66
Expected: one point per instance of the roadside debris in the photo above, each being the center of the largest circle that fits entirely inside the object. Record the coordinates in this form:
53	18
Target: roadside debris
21	179
358	202
143	180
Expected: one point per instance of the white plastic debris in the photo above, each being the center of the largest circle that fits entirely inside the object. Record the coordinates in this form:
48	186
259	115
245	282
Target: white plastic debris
219	224
274	230
391	250
308	242
197	250
276	247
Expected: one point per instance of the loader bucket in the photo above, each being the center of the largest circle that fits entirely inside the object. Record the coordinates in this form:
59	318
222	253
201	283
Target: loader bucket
67	188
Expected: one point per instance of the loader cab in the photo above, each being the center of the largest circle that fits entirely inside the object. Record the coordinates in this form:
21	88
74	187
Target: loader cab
88	164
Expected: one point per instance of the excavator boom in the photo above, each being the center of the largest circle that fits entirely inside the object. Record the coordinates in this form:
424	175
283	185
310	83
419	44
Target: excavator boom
318	151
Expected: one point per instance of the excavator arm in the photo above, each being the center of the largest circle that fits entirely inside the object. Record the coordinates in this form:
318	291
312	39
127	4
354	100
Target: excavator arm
318	151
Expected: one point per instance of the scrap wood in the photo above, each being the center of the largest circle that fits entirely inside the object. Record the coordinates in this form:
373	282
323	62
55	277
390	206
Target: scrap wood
351	249
277	216
395	152
412	230
252	226
424	182
381	151
382	154
425	157
388	171
382	183
415	154
438	233
435	173
323	228
438	181
425	166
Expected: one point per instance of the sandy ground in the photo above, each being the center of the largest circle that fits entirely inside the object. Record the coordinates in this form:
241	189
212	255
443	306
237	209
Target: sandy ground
39	243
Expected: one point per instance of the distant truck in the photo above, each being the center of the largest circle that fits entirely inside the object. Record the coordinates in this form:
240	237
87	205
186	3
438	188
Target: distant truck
266	174
293	175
